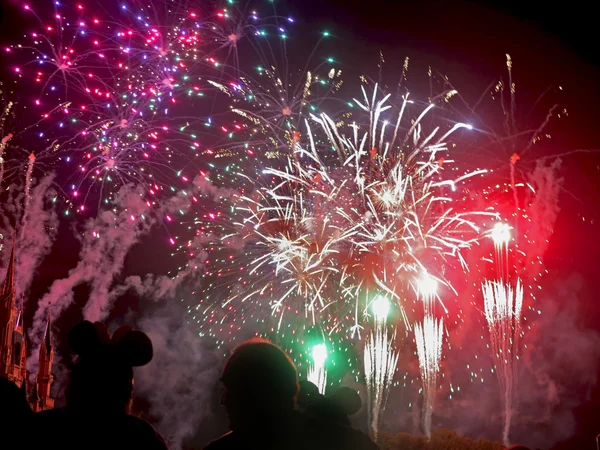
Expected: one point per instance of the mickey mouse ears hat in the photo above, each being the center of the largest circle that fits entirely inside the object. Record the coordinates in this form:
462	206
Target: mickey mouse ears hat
133	347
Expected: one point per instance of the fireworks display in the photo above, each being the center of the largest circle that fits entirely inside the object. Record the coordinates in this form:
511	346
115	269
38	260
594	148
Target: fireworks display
340	220
503	308
123	83
352	206
317	373
501	237
429	340
380	361
428	336
359	220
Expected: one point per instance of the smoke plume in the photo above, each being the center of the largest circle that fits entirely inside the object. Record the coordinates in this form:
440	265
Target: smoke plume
105	242
162	286
560	365
206	187
179	380
35	242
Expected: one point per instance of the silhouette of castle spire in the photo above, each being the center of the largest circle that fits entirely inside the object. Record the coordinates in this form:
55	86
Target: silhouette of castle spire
44	376
8	287
13	343
8	314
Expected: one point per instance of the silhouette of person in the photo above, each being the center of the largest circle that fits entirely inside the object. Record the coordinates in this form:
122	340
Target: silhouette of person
348	399
99	395
260	388
308	394
337	408
15	412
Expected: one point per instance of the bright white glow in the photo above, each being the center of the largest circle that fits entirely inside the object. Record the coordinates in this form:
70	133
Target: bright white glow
317	373
319	355
427	285
380	366
501	233
381	308
502	303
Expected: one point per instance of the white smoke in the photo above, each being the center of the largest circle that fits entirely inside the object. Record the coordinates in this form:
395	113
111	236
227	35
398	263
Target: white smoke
178	382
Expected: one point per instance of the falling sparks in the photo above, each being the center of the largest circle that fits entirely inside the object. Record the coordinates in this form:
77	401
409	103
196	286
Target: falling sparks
380	362
428	337
503	307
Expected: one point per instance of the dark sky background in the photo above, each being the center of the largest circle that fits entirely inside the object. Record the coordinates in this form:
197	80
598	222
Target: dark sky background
469	40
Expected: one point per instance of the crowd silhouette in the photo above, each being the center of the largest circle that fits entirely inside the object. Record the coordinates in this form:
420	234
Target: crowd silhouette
267	407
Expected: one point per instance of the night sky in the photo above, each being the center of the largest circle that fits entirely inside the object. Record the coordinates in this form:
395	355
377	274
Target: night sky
468	41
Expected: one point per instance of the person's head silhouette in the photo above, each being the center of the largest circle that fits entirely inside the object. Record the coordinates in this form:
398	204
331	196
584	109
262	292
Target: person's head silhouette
308	393
260	381
101	379
347	399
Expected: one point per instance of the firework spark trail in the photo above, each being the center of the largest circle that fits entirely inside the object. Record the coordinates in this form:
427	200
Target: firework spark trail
3	143
318	376
427	291
400	208
428	336
27	191
317	372
380	365
380	361
318	221
501	237
298	246
6	136
503	307
429	342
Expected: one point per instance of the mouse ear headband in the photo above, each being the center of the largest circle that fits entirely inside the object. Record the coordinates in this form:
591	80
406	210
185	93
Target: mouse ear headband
134	347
